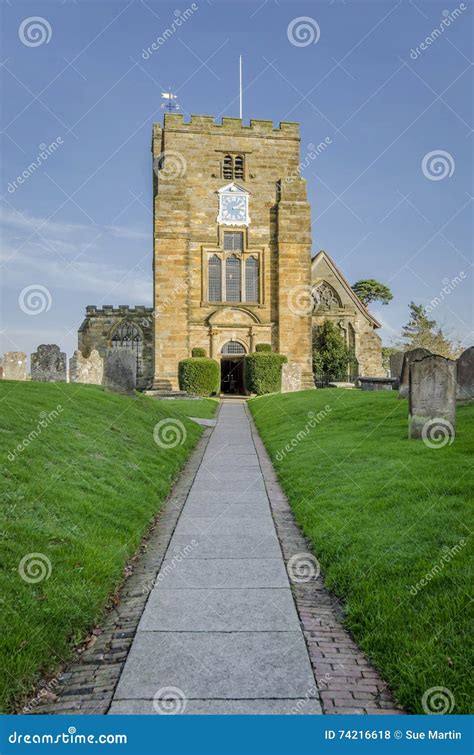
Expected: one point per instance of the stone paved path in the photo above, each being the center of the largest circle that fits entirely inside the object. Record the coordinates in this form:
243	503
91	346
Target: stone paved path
220	631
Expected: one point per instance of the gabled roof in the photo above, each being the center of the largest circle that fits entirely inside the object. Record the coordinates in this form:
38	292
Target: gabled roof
339	276
233	187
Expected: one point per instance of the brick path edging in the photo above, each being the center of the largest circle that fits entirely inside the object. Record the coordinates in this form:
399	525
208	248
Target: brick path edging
87	684
346	681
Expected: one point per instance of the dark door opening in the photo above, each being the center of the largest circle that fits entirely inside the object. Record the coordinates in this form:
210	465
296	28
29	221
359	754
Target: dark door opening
232	376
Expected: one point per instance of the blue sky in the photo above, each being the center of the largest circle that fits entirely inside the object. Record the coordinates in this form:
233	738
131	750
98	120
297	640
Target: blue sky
78	230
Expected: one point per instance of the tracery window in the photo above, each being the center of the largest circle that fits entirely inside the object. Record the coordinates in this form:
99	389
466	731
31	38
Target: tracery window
232	278
127	335
251	279
324	295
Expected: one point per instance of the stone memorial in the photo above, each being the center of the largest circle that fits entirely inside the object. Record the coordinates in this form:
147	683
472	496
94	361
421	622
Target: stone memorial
120	370
432	400
86	369
408	358
291	377
396	364
48	364
465	375
377	383
14	365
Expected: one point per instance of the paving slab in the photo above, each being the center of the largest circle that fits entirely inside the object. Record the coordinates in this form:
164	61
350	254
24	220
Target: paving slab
222	524
217	665
224	610
227	495
259	707
206	509
221	573
232	546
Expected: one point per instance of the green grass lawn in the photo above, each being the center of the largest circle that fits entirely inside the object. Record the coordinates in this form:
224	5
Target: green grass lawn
81	492
382	512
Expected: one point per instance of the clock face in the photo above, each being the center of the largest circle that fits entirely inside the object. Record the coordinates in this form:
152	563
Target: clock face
233	207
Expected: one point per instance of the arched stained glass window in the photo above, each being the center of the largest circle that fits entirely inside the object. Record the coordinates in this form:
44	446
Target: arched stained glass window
232	278
251	279
215	278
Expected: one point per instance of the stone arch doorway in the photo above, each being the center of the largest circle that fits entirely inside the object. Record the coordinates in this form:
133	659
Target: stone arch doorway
232	368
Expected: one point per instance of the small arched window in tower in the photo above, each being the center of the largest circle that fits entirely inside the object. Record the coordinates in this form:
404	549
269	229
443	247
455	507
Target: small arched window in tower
239	167
232	278
228	167
251	279
215	278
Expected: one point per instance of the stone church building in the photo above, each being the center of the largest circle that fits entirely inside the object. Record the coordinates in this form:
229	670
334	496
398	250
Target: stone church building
232	263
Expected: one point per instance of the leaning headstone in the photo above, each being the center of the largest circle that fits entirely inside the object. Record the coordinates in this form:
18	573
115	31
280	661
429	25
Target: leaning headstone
48	364
86	369
408	358
465	375
432	400
14	365
290	377
396	364
120	370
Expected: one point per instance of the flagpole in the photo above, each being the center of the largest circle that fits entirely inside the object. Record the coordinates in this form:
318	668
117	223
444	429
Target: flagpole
240	83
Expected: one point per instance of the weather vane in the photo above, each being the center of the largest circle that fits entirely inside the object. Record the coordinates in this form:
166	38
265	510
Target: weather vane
169	103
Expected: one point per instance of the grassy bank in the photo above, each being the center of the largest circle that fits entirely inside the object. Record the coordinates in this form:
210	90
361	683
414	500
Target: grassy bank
82	477
389	520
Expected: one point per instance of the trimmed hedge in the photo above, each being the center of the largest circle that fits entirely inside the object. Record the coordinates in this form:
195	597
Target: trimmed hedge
199	375
198	352
263	347
263	372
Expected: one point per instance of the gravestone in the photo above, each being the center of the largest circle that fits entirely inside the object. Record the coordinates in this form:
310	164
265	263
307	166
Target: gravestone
120	370
86	369
48	364
408	358
290	377
14	365
396	364
465	375
432	400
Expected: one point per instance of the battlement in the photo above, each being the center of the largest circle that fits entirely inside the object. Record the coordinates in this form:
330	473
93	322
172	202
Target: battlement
122	310
176	122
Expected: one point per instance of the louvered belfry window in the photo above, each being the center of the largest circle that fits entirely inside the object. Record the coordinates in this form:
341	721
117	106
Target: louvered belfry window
232	278
215	278
233	166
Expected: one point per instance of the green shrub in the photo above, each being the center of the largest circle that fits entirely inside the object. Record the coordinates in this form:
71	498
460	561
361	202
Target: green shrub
263	372
263	347
199	375
198	352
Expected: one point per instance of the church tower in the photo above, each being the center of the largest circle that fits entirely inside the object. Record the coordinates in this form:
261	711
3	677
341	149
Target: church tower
232	245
